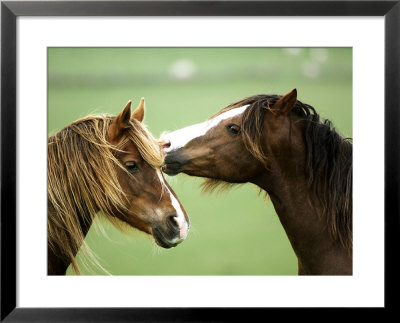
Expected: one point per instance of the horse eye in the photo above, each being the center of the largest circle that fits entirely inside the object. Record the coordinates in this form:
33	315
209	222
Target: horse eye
233	129
131	166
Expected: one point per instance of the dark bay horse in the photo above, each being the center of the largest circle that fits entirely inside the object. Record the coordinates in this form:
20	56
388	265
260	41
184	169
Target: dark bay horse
111	165
279	144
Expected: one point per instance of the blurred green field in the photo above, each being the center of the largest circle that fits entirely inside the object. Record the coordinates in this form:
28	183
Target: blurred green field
232	233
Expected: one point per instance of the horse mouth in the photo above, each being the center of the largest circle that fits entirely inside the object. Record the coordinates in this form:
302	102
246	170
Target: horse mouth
162	241
173	163
172	169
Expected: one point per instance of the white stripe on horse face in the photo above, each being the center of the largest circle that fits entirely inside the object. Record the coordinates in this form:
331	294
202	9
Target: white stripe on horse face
180	216
181	137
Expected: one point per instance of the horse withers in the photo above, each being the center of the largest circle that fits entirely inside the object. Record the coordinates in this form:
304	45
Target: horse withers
279	144
110	165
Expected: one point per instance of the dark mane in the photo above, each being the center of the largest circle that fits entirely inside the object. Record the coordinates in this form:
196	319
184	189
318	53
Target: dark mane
329	162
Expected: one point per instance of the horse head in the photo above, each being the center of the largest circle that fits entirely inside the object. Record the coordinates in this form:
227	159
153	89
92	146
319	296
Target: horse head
152	206
235	145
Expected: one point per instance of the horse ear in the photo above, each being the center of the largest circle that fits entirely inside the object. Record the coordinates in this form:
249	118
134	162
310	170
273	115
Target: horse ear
120	123
286	102
138	114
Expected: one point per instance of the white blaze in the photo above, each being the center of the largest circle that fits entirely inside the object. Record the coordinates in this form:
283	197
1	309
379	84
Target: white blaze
180	215
181	137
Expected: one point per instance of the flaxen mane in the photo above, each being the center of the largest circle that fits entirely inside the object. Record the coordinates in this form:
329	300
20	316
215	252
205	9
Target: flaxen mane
329	160
82	179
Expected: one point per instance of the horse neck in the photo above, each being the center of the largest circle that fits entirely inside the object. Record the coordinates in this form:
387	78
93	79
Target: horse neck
58	265
316	250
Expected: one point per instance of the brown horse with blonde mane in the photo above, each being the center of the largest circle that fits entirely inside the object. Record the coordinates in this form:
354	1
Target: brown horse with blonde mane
279	144
110	165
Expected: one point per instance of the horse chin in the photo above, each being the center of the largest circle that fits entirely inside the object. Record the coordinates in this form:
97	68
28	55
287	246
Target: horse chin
167	169
162	241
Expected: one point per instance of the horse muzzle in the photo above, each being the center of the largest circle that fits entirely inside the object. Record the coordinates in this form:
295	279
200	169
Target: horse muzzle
174	162
170	234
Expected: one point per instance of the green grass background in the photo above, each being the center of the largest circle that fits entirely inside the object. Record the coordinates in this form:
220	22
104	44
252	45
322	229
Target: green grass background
232	233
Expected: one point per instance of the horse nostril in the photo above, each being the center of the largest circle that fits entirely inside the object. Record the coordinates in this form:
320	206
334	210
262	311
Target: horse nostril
171	220
166	144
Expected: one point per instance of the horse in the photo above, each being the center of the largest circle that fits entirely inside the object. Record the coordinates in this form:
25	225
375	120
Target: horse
299	160
108	164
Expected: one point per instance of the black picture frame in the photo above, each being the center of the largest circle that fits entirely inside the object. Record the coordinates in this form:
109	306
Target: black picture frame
10	10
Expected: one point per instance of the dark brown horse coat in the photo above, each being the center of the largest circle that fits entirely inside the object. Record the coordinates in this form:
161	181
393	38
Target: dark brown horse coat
280	144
